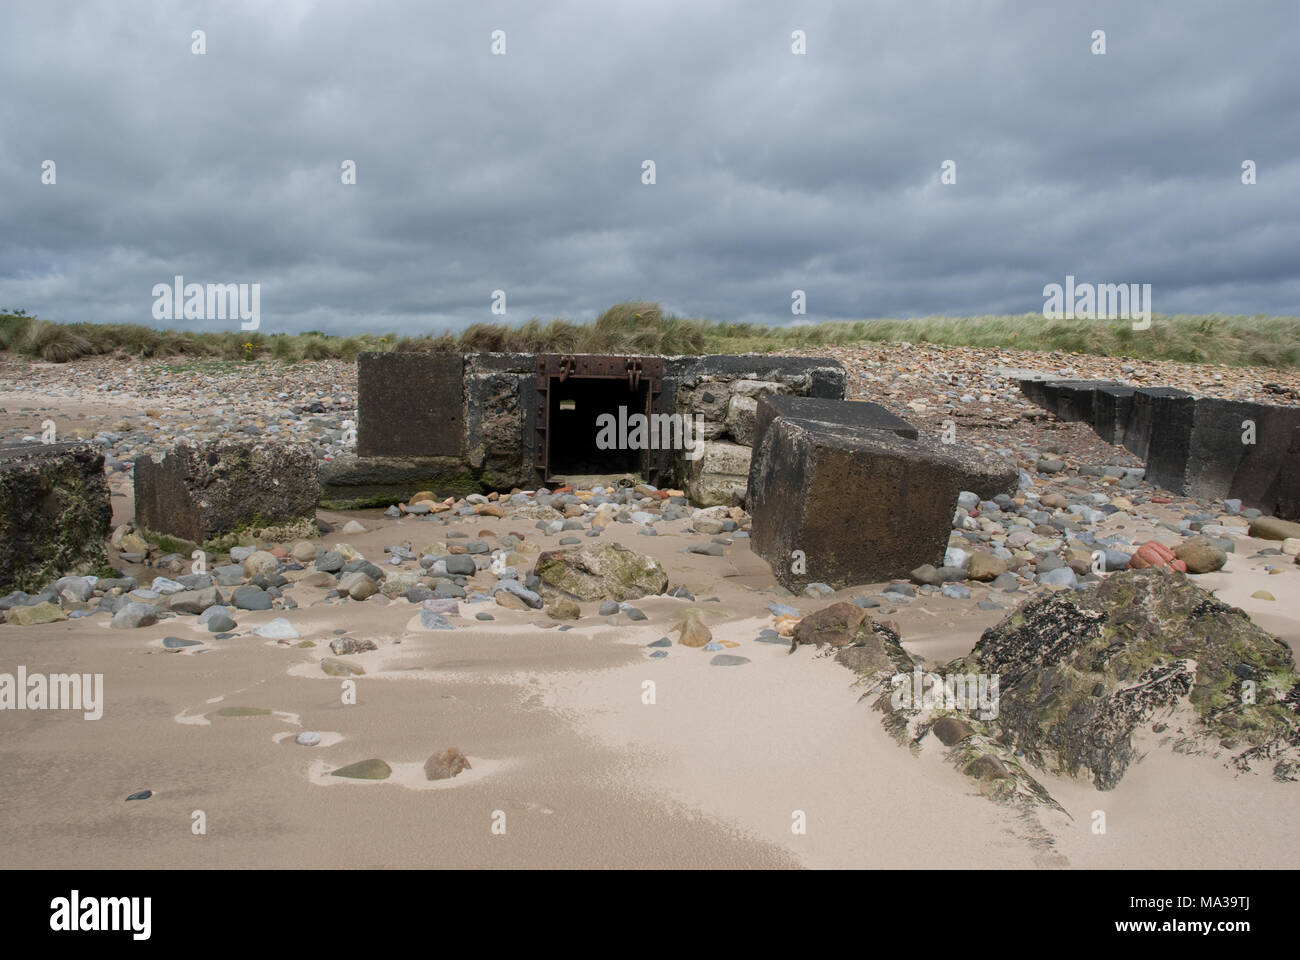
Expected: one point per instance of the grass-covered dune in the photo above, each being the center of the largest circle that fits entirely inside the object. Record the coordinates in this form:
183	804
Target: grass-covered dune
1265	341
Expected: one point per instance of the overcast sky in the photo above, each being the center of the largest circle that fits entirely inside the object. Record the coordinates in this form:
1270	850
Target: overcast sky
523	171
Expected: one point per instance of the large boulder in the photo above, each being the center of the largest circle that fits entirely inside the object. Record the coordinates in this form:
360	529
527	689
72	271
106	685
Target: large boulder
1073	677
1080	673
205	492
606	572
55	513
843	503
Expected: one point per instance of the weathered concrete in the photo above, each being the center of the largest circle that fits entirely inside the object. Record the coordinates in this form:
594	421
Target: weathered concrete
410	405
1148	404
1071	400
353	483
861	505
1111	408
54	513
201	492
1195	446
457	423
1197	449
854	413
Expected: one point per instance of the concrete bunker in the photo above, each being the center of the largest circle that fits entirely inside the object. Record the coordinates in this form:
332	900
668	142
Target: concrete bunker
458	424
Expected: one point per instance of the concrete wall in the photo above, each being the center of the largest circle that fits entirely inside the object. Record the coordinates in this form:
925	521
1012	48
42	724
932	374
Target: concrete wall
468	422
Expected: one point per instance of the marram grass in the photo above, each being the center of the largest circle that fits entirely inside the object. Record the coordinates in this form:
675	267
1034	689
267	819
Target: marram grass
643	328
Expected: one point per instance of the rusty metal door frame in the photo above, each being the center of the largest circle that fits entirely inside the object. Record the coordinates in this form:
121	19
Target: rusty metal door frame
588	366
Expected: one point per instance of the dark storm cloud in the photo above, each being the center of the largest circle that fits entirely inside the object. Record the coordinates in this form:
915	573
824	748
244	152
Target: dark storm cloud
522	172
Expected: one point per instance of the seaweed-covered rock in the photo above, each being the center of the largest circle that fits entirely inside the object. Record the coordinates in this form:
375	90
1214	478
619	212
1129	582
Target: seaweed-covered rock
607	572
1071	677
874	650
1079	672
54	513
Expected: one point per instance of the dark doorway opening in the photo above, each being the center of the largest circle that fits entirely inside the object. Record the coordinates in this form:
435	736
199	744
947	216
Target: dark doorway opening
574	392
577	406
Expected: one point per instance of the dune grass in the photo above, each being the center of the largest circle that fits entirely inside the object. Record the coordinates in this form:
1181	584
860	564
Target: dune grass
643	328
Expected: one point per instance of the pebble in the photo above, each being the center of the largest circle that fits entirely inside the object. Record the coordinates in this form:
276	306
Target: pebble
277	629
727	660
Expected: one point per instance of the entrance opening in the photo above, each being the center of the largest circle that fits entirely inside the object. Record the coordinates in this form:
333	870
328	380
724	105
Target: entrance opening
574	392
576	407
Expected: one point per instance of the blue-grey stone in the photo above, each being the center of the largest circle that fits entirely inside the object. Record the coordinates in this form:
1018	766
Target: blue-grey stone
728	660
434	621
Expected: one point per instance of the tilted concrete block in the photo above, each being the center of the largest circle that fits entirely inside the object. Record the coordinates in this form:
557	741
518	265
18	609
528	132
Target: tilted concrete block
861	505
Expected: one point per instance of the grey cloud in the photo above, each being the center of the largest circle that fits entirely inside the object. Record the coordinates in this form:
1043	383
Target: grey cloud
522	172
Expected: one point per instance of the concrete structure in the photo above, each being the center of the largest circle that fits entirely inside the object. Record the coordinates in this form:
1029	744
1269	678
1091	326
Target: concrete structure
1196	446
54	513
203	492
853	489
458	424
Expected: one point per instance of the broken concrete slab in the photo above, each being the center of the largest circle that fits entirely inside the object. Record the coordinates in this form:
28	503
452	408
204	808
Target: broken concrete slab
843	504
55	513
214	491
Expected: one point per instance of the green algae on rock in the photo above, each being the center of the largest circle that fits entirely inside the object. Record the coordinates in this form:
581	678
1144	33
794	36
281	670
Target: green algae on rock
373	769
54	513
1080	673
243	712
609	571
